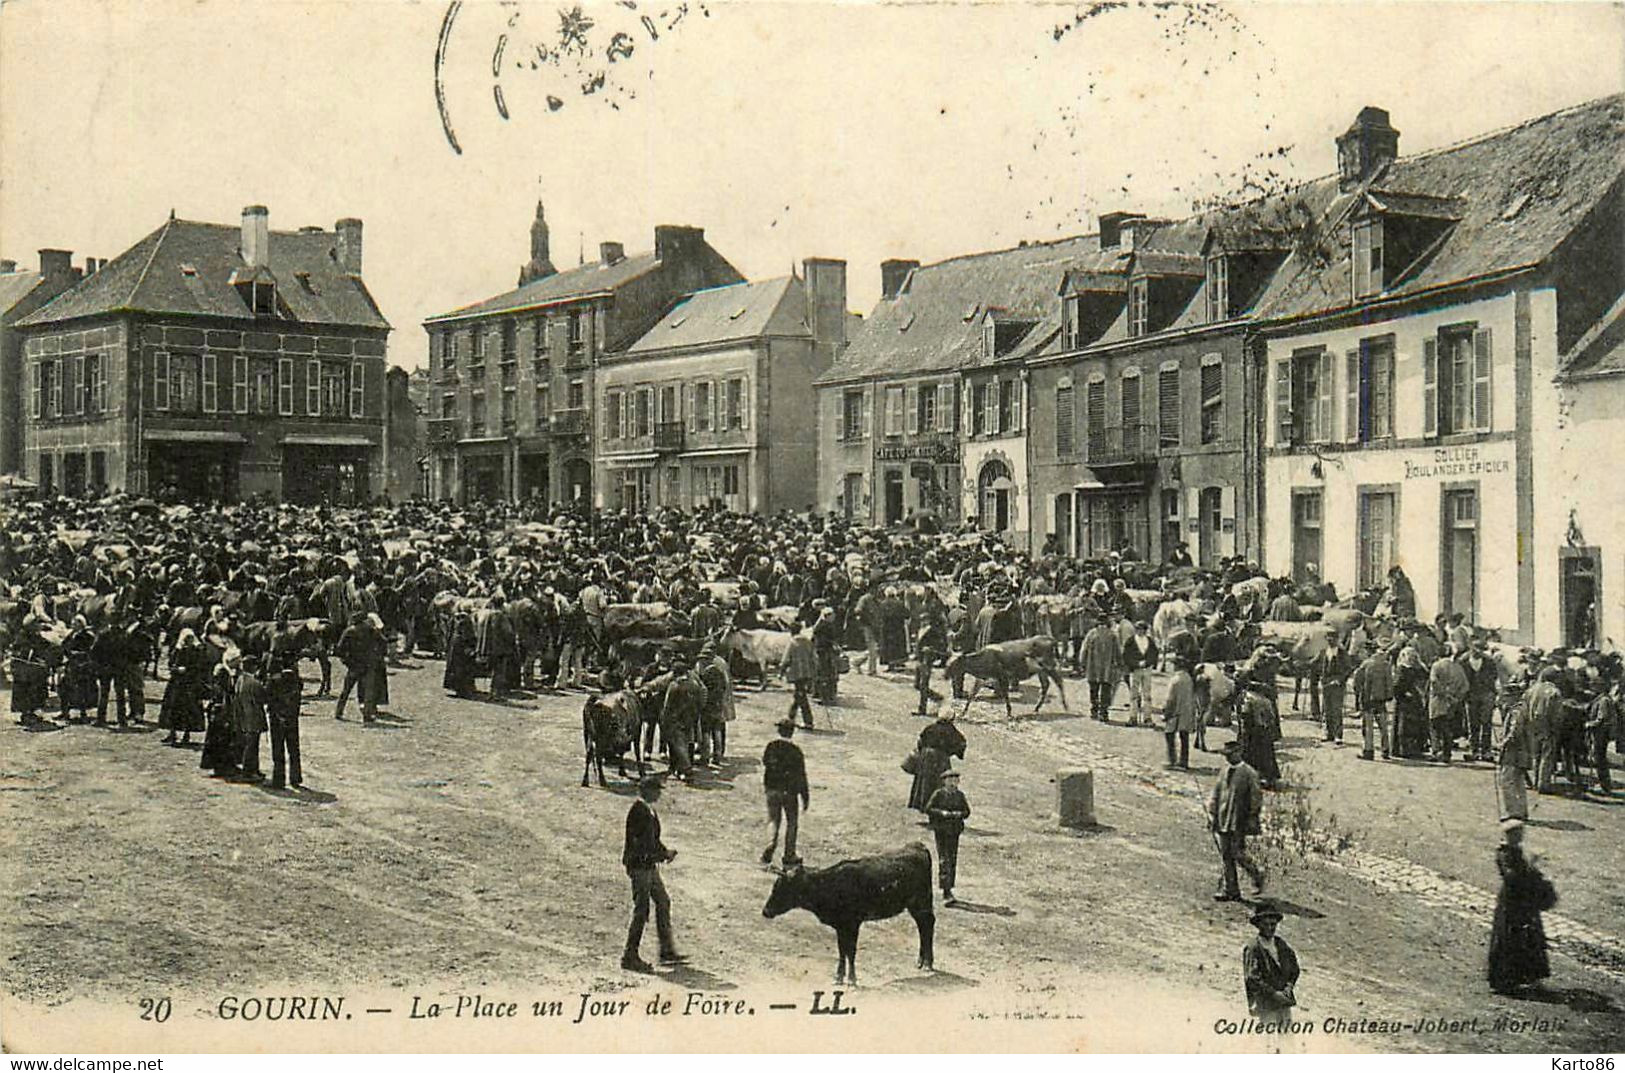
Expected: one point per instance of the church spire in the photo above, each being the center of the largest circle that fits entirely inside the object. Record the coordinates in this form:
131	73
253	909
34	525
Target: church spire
540	266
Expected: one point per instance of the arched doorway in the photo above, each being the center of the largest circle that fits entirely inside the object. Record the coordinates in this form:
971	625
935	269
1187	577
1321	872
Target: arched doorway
994	488
577	481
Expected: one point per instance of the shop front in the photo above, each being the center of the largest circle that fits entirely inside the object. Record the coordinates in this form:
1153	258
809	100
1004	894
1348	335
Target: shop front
331	470
195	465
918	478
629	481
483	466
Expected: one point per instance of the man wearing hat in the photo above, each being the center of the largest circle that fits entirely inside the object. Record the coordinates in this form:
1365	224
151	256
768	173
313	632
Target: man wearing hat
1482	679
784	780
1234	809
680	715
1269	967
642	855
947	810
1373	684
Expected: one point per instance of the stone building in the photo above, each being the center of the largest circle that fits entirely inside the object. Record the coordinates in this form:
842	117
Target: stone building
405	423
715	405
512	377
22	292
890	409
212	361
1413	339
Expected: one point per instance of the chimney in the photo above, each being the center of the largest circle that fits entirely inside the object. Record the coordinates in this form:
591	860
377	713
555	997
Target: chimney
349	245
256	240
893	274
7	266
825	279
677	243
56	264
1365	147
610	253
1112	224
92	264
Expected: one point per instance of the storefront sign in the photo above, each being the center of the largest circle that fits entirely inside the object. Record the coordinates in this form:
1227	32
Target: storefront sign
1452	462
936	452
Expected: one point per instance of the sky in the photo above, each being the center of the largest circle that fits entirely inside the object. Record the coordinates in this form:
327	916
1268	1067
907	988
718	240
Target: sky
786	130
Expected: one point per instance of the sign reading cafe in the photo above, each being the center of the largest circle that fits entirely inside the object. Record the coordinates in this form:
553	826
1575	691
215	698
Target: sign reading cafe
941	451
1453	462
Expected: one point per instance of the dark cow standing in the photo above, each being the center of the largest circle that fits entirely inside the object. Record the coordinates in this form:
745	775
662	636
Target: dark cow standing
609	727
847	894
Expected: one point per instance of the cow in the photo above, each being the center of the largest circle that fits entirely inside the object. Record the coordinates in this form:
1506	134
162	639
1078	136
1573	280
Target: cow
1145	604
636	653
532	625
765	650
845	895
609	727
783	619
1300	643
1009	663
1255	592
643	620
1172	615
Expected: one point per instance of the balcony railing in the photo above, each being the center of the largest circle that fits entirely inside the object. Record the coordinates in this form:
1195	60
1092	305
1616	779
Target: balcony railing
669	436
569	423
443	431
1120	445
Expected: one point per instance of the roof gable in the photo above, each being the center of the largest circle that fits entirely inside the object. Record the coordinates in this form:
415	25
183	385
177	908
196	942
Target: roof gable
187	267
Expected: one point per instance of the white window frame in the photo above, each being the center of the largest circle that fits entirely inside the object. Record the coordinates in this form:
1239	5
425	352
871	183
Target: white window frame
313	387
895	404
209	383
1139	306
284	386
358	389
39	389
160	380
239	383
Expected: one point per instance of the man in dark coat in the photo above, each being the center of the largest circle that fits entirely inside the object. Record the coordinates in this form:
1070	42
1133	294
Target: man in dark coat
1234	810
365	652
680	717
929	646
283	709
784	780
107	656
641	855
1517	938
248	717
1270	969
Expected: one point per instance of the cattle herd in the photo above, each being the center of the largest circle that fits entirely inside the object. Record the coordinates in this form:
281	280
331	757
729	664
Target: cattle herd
98	593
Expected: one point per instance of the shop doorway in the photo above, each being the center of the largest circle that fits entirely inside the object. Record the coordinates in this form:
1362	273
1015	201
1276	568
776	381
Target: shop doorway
193	473
1579	594
994	487
1210	517
1458	553
331	475
577	481
1379	520
894	497
1306	535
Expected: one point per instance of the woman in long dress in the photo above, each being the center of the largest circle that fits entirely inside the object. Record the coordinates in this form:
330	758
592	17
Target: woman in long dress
1410	704
1517	937
182	707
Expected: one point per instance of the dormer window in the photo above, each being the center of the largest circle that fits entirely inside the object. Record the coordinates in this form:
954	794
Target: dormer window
264	298
1139	305
990	338
1369	278
1218	288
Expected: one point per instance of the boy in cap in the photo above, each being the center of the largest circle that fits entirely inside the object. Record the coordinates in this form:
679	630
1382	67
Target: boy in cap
1269	968
948	810
784	780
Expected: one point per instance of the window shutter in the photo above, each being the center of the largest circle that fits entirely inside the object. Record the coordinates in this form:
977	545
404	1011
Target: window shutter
313	388
1283	403
39	390
358	389
967	398
104	380
284	387
1351	389
694	409
1430	387
1168	414
990	409
1019	411
719	414
1095	411
911	408
1063	421
1325	411
744	402
1483	367
1227	519
864	412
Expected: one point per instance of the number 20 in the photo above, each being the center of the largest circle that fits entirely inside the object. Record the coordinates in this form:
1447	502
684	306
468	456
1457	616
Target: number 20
155	1010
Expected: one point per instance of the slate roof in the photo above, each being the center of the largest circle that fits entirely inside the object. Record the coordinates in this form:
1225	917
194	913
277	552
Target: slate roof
935	325
595	278
1520	192
14	287
720	314
185	267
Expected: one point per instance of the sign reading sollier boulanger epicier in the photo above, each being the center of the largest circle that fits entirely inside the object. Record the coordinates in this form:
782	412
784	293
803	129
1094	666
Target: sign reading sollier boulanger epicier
1465	462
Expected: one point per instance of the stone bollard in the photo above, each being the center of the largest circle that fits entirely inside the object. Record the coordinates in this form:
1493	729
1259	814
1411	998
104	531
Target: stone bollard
1075	796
